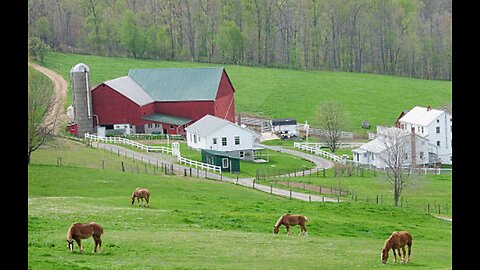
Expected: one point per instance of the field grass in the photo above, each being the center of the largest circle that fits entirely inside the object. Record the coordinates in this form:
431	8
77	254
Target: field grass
283	93
203	224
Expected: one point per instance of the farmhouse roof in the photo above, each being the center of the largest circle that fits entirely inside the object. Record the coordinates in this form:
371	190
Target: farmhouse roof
421	116
178	84
129	88
209	124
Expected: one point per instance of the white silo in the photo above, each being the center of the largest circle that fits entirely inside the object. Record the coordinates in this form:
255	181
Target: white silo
82	99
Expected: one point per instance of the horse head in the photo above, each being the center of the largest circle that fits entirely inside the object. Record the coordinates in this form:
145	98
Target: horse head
133	199
70	245
384	255
276	229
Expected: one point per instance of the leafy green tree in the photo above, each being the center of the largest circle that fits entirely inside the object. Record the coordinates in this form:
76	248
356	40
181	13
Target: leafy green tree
231	41
133	38
37	48
40	102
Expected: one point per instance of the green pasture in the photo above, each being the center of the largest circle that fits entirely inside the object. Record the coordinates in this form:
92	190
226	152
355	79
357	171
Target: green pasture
284	93
203	224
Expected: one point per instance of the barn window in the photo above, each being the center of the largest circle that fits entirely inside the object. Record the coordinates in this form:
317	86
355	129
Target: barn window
242	154
237	140
194	138
224	163
438	129
171	126
438	143
421	155
224	141
214	140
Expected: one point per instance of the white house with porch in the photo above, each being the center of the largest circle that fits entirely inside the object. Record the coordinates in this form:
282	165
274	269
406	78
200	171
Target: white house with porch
432	124
213	133
416	150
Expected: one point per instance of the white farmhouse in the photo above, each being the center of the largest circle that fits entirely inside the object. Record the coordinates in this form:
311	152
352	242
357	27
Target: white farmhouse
213	133
433	125
416	149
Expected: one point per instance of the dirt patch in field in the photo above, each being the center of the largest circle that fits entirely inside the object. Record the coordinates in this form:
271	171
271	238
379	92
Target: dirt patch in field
319	189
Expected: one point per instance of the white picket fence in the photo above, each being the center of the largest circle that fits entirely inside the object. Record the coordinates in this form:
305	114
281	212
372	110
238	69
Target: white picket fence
197	164
152	148
315	149
148	148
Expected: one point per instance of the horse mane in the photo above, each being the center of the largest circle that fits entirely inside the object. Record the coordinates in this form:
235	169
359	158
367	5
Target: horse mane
388	242
69	233
279	221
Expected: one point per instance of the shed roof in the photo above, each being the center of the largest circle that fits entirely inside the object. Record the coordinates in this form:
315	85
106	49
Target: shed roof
219	153
209	124
284	121
179	84
421	116
167	119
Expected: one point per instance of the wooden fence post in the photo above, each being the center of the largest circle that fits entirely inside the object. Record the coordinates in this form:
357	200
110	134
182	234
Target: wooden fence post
123	168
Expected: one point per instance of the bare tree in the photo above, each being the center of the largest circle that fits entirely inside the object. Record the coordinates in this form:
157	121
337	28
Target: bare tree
40	104
396	143
332	121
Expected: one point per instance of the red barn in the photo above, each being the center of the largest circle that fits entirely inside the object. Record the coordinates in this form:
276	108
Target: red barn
163	100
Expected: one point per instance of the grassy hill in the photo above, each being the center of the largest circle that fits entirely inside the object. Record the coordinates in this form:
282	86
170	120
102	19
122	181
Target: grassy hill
282	93
202	224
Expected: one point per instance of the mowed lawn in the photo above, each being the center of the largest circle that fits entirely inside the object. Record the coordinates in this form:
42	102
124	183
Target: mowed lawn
203	224
283	93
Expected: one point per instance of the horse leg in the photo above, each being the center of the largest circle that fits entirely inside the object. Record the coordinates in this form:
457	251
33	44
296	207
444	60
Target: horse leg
394	256
148	201
409	250
305	233
402	254
289	232
98	243
79	243
302	228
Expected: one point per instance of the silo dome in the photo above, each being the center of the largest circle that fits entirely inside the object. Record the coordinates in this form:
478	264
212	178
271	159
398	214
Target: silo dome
80	67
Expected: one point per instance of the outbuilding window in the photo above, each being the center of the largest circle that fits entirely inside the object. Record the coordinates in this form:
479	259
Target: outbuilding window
214	140
225	163
237	140
224	141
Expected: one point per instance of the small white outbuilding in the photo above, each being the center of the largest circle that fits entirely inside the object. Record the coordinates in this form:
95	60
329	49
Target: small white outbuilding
213	133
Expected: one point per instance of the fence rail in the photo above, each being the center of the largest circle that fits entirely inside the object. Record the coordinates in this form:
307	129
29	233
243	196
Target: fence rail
317	151
120	140
150	148
197	164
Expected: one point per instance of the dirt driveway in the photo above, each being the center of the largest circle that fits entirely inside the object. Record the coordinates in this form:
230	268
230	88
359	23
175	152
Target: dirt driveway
60	90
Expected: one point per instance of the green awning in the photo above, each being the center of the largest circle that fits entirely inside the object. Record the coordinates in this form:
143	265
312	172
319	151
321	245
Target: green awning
167	119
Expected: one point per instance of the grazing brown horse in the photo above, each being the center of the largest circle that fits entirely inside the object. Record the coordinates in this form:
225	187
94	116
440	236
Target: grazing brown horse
397	241
140	194
291	220
79	231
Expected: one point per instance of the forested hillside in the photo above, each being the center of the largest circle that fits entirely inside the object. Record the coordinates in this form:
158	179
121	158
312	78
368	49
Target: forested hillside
397	37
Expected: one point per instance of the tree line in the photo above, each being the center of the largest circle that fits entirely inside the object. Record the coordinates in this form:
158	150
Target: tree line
397	37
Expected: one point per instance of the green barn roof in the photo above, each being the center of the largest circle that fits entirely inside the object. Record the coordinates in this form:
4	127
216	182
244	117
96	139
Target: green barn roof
179	84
